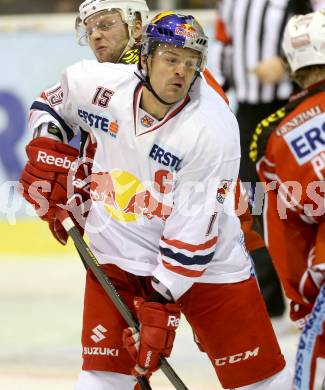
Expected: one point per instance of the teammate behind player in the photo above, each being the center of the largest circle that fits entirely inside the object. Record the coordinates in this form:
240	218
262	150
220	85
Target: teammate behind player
112	28
290	149
162	221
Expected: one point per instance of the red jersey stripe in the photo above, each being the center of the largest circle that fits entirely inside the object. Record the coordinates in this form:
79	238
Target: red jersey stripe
183	271
191	247
212	82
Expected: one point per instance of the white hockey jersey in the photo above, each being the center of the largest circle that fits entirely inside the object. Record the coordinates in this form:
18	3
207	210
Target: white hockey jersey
162	199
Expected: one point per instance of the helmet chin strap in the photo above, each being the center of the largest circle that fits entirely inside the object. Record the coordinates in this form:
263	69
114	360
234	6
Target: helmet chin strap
145	80
146	83
131	41
129	45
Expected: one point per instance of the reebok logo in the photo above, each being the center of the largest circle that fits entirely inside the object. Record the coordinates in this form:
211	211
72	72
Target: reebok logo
237	358
173	321
57	161
98	333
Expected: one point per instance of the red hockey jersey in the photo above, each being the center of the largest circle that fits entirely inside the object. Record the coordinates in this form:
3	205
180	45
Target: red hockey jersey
293	169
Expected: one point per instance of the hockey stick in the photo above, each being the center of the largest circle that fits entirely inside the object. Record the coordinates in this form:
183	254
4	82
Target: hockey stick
307	343
91	261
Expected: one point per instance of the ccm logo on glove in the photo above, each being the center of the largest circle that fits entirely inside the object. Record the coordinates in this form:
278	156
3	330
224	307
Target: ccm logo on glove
57	161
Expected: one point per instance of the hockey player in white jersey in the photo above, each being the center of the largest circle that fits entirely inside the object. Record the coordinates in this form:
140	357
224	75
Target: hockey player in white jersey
112	28
162	220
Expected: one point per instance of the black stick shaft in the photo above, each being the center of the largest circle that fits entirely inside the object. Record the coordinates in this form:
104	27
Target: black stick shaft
91	261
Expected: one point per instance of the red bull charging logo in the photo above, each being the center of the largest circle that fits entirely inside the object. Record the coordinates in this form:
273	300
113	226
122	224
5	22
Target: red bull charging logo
125	198
222	190
186	30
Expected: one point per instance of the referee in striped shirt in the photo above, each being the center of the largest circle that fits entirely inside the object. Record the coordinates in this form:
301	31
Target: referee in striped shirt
246	57
249	34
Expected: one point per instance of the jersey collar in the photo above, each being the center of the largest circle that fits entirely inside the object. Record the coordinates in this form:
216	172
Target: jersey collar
170	114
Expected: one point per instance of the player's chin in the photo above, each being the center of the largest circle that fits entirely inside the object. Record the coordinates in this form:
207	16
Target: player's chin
175	95
105	56
102	58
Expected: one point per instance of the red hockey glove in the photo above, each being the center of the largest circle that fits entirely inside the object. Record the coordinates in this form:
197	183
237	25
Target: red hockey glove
158	324
299	314
78	212
78	203
310	284
309	287
44	178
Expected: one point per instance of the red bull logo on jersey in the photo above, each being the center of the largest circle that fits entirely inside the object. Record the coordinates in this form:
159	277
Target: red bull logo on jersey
147	121
223	189
186	30
125	197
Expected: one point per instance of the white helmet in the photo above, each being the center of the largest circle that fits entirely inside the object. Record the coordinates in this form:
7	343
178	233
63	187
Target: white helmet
304	40
127	9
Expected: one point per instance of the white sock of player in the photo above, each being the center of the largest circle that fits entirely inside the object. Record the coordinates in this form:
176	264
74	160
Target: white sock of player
280	381
101	380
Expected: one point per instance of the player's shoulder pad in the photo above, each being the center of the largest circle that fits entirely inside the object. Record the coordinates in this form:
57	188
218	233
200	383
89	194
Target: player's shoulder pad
81	78
92	69
218	125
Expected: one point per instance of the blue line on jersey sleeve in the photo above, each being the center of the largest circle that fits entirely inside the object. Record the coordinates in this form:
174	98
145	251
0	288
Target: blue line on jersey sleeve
185	260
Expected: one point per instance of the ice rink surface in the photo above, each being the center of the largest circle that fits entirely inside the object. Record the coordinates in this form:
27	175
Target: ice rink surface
41	310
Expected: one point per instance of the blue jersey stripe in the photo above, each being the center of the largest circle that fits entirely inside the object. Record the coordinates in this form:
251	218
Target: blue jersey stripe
186	260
